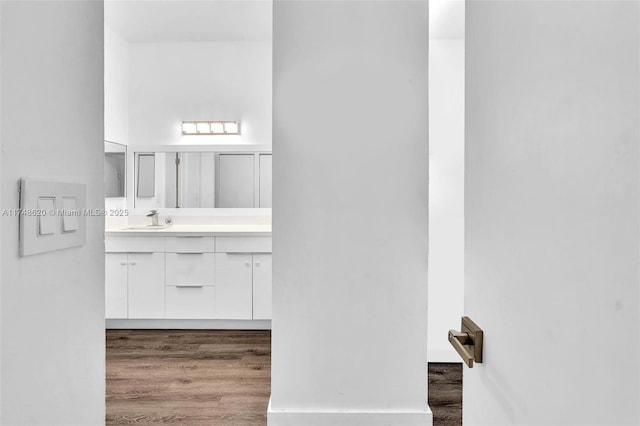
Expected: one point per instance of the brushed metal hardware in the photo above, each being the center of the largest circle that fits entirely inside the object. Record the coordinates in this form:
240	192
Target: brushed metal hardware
123	263
468	342
236	253
193	252
189	285
132	263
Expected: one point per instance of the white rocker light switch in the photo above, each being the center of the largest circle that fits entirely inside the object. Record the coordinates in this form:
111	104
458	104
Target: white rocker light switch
69	218
46	221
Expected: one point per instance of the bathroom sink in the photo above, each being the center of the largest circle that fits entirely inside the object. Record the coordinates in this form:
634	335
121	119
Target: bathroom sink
146	227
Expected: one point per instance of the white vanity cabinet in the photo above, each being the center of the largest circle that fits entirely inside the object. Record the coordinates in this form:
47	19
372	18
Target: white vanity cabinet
243	285
134	285
243	276
188	278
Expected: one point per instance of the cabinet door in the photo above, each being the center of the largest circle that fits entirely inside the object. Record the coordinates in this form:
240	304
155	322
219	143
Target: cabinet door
115	285
235	183
233	285
265	180
146	285
261	286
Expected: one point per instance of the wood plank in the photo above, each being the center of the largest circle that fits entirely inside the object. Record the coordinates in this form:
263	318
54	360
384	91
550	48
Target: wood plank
216	377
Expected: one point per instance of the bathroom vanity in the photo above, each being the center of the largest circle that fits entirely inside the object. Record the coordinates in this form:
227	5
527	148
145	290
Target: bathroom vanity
211	267
188	276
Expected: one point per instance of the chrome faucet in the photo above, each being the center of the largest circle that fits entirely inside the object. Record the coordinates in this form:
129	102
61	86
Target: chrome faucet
153	214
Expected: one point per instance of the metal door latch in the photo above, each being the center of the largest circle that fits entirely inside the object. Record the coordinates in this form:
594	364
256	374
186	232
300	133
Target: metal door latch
468	341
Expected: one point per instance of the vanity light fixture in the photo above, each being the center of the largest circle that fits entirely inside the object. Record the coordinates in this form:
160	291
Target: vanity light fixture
210	128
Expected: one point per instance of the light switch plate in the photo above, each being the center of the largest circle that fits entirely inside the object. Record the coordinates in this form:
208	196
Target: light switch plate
66	225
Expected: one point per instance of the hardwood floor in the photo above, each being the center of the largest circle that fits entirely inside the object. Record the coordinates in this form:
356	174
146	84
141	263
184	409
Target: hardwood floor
445	393
216	377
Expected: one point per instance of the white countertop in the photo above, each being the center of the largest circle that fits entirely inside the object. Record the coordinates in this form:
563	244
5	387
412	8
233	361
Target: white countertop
220	230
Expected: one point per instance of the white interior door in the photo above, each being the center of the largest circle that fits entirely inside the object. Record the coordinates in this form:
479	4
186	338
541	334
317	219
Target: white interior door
551	211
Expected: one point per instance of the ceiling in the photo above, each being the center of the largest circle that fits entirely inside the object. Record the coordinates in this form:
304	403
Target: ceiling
446	19
148	21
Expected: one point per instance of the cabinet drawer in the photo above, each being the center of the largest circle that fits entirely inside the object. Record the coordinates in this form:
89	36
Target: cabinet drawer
134	244
189	269
190	302
243	244
190	244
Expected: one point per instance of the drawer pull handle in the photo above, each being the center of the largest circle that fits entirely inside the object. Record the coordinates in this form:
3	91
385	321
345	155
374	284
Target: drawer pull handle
132	263
189	286
123	263
191	252
236	253
191	236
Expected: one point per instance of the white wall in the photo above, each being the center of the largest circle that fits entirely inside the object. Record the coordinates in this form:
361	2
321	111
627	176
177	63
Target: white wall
52	307
552	211
350	213
116	99
171	82
446	195
116	87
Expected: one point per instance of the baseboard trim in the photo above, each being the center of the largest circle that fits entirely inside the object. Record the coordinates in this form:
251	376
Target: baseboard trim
187	324
349	418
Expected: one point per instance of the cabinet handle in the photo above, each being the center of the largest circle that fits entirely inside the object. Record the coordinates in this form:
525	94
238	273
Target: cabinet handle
193	252
247	264
189	285
123	263
132	263
236	253
191	236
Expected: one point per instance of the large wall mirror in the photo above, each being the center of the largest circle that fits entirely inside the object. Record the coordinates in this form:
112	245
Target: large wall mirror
115	161
202	179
